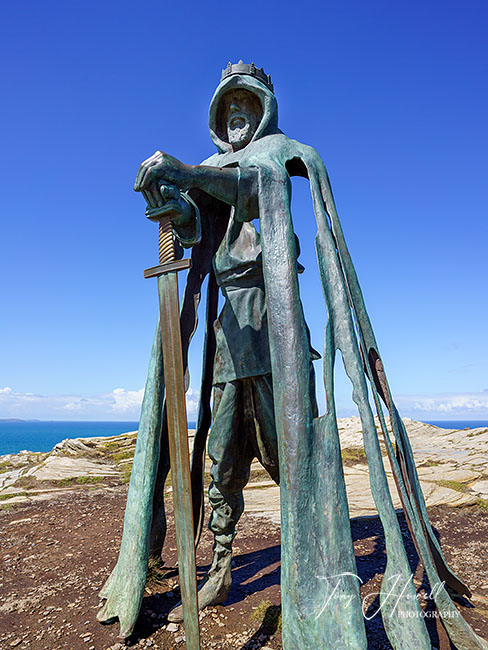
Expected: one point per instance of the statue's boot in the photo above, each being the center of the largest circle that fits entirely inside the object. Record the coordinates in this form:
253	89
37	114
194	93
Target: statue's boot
217	583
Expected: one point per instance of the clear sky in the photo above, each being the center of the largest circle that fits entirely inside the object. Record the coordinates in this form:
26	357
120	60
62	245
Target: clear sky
393	95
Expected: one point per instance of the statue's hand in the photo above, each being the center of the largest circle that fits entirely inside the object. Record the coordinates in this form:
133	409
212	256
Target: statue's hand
162	166
162	193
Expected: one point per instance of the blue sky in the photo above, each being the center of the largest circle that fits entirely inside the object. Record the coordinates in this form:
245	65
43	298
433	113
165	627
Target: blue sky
393	95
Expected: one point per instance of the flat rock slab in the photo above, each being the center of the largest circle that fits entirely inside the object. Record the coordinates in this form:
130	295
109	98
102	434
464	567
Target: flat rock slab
481	487
55	468
452	466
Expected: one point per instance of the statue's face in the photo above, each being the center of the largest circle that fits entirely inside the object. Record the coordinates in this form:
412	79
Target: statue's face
243	113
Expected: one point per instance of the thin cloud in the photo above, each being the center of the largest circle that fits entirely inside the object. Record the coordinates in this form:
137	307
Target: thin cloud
121	403
453	406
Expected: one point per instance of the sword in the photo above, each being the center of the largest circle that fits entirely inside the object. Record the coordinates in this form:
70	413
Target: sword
167	274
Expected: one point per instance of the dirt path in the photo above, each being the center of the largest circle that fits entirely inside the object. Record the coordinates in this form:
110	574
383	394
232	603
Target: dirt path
55	556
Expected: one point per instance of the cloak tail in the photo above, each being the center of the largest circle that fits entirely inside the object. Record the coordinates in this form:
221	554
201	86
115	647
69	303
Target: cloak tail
318	566
124	588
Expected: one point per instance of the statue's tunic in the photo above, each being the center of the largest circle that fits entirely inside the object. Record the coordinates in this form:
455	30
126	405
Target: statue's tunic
241	330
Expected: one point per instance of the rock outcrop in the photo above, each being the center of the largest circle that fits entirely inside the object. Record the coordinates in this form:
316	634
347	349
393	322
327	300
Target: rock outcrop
452	465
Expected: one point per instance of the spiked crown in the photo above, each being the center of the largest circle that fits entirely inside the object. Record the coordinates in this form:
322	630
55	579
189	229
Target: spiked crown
250	69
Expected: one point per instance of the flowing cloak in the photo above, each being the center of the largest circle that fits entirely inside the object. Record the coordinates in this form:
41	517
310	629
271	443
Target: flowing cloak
321	605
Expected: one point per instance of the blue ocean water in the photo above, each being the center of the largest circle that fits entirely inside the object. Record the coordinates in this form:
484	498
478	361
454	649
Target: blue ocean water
38	435
35	435
458	424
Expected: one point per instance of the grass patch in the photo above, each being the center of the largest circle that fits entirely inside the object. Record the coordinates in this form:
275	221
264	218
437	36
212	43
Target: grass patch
28	482
431	463
122	455
453	485
63	482
82	480
116	452
4	497
352	455
156	573
5	466
126	473
483	504
268	616
111	446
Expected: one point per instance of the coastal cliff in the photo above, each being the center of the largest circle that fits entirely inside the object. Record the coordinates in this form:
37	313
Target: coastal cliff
61	517
452	465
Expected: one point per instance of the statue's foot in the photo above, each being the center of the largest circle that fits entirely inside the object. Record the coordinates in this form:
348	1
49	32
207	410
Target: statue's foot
214	591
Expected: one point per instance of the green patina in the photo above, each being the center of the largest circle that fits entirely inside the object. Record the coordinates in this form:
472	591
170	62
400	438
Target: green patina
260	341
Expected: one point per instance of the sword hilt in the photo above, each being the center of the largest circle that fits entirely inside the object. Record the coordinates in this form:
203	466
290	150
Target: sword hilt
166	243
167	257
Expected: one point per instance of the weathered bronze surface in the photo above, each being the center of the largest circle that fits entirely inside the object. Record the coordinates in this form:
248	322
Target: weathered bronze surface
177	425
260	341
178	451
177	265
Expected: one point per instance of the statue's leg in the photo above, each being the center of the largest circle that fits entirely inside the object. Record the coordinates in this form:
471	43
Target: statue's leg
259	398
231	452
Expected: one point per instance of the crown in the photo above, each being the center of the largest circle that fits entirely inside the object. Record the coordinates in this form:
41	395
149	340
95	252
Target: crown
246	68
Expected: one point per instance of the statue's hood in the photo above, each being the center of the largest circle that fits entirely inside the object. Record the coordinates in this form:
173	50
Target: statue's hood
269	121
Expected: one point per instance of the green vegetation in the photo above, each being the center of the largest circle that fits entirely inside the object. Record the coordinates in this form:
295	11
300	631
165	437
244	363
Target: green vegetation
111	446
4	497
430	463
155	572
82	480
352	455
483	504
126	473
116	452
453	485
268	616
63	482
5	466
28	482
122	455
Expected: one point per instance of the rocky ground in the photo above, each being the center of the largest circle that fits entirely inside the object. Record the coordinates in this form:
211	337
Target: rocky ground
61	520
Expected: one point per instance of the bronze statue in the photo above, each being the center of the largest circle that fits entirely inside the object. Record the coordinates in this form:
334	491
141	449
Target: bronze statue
257	359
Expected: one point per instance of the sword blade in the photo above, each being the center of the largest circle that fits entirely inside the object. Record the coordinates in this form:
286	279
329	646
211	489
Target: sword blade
178	449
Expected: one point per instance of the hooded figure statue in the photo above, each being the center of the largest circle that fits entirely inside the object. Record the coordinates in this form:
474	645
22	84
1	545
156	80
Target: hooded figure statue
258	342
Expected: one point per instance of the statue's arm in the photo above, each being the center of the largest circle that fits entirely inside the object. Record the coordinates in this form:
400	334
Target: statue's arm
223	183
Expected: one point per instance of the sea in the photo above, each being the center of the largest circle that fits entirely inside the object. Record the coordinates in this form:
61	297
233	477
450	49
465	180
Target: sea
41	435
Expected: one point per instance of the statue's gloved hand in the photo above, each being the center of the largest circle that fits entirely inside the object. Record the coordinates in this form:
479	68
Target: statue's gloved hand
162	166
162	194
177	206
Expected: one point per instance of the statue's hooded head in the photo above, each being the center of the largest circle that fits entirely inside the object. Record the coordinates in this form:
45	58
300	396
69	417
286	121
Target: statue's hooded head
243	108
